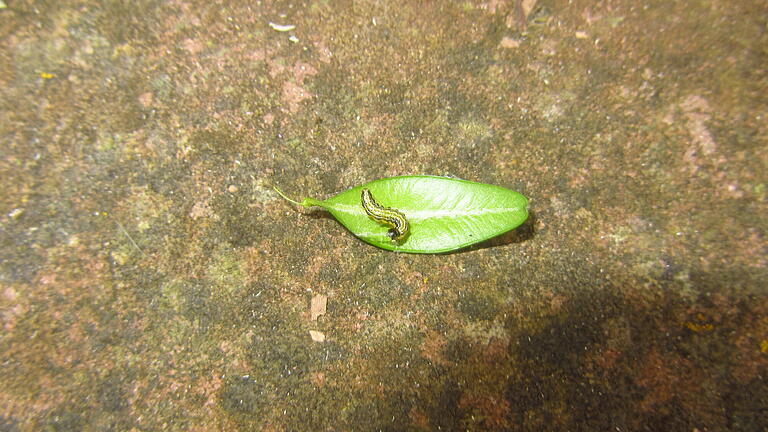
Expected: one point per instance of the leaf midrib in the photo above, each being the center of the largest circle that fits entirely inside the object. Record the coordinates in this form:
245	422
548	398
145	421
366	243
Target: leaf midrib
418	215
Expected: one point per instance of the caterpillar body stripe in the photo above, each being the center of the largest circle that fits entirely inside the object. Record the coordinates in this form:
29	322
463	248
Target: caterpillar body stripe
385	215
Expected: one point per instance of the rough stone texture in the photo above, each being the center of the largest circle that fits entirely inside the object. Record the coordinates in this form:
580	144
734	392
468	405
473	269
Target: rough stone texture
150	279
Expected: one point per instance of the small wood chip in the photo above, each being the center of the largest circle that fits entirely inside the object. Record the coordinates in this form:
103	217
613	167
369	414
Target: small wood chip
317	336
281	27
318	306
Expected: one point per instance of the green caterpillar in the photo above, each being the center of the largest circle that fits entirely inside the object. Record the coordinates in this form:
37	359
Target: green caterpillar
388	216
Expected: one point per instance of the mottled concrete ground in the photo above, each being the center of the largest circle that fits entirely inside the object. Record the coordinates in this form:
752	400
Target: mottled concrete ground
150	278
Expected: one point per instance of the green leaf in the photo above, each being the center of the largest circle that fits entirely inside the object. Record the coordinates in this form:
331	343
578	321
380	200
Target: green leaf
444	213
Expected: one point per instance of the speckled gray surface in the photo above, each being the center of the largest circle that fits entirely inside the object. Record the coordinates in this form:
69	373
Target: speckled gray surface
150	279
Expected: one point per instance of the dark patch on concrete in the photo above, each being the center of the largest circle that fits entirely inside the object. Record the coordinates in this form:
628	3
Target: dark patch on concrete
239	225
245	398
64	419
8	425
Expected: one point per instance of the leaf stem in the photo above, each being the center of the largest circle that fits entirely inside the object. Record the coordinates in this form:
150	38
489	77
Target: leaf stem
279	192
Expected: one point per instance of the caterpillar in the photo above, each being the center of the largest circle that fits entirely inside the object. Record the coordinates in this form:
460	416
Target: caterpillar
387	216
